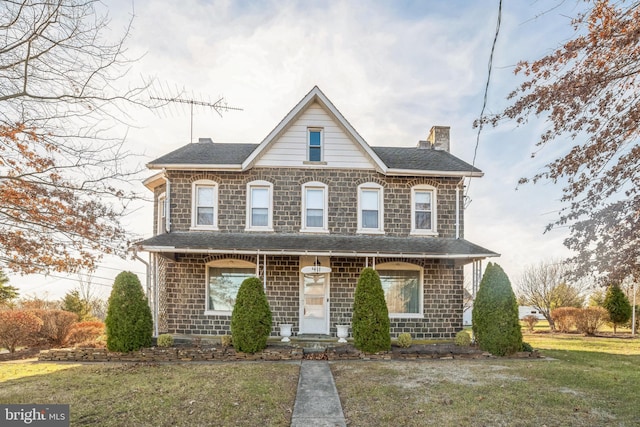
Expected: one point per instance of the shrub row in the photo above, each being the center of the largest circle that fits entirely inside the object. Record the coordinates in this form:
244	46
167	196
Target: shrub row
584	320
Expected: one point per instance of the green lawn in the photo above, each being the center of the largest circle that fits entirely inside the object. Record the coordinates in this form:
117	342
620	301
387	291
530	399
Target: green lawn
585	381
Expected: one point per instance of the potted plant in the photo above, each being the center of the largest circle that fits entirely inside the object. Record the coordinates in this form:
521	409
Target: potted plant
285	329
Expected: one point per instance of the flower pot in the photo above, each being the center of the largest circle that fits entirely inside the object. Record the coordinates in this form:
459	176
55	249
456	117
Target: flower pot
285	331
343	332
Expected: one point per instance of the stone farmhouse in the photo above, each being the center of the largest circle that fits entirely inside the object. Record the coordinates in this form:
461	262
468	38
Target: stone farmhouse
306	210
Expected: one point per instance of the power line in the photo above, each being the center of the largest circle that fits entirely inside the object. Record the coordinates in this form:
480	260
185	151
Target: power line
486	92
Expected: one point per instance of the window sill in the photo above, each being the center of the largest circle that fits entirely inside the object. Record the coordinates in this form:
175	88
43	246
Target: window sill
201	228
254	229
316	231
367	231
423	233
216	313
309	162
406	316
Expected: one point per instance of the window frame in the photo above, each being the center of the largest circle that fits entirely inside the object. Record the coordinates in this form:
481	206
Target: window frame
314	185
259	184
223	263
369	186
434	210
204	183
321	132
405	266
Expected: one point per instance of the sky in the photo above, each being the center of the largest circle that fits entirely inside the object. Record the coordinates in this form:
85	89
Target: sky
393	69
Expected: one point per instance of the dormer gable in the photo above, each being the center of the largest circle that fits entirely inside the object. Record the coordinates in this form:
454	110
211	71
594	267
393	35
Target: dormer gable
314	134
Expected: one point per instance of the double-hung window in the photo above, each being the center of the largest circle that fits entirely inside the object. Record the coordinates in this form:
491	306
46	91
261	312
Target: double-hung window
423	210
402	285
315	144
162	214
314	207
370	208
260	206
204	205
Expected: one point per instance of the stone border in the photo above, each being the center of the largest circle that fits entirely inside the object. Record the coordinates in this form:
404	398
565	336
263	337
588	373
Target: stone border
271	353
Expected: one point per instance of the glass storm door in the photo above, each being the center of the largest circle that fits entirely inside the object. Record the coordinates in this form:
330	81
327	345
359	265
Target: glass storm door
314	304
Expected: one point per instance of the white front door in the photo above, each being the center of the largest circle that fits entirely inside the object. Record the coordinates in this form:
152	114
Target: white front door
314	304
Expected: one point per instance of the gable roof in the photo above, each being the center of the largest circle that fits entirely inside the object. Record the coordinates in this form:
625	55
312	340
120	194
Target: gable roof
314	95
387	160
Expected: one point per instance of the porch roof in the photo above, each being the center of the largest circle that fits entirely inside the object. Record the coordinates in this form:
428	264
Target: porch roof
314	244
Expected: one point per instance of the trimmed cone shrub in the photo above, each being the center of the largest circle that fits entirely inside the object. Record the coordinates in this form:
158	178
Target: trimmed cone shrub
251	317
370	314
495	314
129	324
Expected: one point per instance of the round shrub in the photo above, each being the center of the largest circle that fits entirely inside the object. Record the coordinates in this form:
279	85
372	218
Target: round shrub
405	340
17	327
165	340
370	314
251	317
495	314
463	339
129	324
56	326
84	333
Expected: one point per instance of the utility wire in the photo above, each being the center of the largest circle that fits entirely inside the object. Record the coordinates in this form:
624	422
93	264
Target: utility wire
486	93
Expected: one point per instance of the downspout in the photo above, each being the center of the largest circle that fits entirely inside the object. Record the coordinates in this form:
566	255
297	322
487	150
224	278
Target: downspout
156	306
167	201
457	211
148	282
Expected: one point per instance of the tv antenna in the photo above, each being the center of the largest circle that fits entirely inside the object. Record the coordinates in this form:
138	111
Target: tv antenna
218	106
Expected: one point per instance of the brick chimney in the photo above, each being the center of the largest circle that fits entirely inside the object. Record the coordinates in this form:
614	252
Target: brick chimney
438	139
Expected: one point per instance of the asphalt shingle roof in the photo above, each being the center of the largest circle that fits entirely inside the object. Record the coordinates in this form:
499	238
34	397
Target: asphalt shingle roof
216	241
410	158
207	153
414	158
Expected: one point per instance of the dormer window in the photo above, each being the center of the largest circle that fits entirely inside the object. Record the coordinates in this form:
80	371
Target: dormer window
204	205
315	144
423	210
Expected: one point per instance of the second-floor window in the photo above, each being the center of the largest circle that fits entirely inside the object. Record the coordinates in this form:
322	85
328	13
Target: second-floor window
314	207
423	209
370	208
315	144
162	214
204	205
259	205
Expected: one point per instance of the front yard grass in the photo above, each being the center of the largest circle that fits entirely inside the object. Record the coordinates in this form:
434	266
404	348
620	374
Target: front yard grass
589	382
157	395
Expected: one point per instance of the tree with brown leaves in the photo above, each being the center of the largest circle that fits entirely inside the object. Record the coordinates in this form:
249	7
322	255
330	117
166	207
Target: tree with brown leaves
588	90
60	169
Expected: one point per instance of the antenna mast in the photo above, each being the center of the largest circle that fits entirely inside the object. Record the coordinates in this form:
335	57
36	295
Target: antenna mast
219	106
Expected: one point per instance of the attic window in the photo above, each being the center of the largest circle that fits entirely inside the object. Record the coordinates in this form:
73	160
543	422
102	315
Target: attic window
315	144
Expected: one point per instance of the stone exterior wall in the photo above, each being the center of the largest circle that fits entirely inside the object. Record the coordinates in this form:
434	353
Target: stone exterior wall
185	293
342	189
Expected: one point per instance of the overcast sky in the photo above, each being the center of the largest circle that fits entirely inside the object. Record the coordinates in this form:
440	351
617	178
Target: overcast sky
393	68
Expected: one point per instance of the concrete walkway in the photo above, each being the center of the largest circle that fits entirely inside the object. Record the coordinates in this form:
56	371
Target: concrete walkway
317	402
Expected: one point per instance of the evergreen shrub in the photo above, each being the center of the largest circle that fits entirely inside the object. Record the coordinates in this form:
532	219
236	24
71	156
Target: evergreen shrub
495	314
165	340
251	318
404	340
618	306
129	324
463	339
370	319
